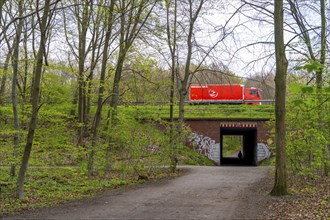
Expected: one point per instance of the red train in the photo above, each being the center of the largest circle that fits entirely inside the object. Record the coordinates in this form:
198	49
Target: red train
224	93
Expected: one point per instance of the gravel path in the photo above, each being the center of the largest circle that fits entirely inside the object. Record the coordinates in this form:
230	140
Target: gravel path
201	193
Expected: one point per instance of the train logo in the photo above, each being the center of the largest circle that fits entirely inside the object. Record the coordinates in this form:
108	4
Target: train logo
213	93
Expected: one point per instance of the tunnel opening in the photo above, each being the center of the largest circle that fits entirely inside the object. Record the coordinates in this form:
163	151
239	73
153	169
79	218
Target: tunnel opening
238	146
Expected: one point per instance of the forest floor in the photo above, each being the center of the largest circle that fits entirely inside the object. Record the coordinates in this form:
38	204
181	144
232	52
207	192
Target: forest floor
201	193
307	199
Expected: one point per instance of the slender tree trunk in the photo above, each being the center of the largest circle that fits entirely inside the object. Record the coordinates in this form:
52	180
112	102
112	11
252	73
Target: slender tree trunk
132	18
83	23
319	83
319	73
74	103
280	186
2	2
121	58
35	100
4	79
184	83
171	40
26	70
98	114
15	58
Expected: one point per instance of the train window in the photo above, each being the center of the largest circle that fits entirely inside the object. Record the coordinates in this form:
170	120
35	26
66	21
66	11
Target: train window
253	92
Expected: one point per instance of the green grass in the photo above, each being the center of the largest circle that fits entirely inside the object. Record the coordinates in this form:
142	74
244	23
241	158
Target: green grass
201	111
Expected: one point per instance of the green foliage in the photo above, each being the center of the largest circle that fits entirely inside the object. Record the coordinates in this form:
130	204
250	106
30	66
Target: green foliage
308	130
138	146
311	65
55	90
232	144
145	82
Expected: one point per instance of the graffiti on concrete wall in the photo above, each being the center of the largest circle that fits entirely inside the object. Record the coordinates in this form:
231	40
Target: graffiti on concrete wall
263	152
206	146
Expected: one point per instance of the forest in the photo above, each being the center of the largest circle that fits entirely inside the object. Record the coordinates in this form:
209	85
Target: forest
93	93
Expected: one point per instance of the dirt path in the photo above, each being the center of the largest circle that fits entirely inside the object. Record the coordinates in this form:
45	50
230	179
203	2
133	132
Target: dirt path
201	193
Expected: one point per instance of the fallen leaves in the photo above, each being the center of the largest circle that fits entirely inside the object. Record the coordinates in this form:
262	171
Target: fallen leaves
308	199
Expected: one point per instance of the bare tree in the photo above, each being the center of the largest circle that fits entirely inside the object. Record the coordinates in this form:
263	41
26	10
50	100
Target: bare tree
4	77
172	44
100	101
133	15
2	2
306	32
195	51
15	58
35	97
280	186
82	18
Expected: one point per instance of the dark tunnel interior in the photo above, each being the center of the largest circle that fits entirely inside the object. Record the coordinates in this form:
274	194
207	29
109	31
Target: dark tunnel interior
248	148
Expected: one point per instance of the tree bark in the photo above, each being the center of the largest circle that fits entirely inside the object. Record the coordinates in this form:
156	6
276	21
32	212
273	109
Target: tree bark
172	41
2	2
83	23
34	99
130	27
98	114
280	186
319	73
4	79
14	59
184	83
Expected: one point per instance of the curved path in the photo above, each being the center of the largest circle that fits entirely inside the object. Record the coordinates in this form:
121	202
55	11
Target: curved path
201	193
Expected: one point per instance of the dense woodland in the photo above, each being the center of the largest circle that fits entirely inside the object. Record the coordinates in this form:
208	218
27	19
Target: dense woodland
71	73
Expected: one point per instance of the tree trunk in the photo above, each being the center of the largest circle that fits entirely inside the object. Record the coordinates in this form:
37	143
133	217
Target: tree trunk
35	100
26	70
280	186
319	82
2	2
4	79
171	41
98	114
83	23
15	58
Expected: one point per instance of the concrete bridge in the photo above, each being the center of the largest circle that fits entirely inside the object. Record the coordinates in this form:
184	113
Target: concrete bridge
211	139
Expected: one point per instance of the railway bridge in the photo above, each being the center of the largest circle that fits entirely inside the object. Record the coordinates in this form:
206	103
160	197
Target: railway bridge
222	139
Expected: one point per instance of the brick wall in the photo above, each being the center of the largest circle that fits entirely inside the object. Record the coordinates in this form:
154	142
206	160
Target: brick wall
211	127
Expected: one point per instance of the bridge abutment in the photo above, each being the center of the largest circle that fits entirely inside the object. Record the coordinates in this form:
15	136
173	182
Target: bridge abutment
210	135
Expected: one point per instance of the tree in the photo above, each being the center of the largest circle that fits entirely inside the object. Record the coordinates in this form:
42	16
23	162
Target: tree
264	81
306	32
109	22
133	16
314	40
35	96
172	44
82	18
15	58
280	186
2	2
